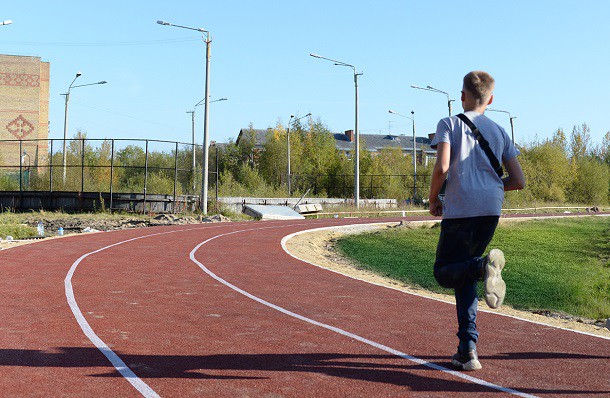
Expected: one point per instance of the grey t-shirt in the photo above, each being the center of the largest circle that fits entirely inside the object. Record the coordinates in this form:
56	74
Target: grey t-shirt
473	187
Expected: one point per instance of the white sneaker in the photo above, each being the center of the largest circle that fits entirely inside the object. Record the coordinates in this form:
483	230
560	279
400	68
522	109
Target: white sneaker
495	287
466	360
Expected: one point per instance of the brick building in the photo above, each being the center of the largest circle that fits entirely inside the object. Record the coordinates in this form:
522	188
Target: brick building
24	108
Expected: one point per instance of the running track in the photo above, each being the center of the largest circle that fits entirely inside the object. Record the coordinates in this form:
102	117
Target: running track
220	310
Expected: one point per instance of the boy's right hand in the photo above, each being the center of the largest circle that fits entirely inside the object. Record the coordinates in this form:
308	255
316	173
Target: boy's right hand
436	207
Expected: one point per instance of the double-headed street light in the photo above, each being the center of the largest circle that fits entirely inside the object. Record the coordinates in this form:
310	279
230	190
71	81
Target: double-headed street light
206	139
288	150
412	117
356	134
193	131
512	129
78	74
7	22
436	90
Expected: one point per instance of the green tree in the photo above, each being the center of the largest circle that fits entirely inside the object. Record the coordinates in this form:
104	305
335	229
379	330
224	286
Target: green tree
547	171
591	181
580	141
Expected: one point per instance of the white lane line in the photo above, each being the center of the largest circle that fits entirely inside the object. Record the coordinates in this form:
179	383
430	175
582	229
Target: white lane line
288	237
341	331
114	359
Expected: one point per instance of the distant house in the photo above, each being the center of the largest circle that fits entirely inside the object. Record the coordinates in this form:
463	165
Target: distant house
260	137
372	143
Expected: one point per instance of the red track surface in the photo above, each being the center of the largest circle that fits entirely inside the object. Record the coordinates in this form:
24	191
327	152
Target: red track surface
185	334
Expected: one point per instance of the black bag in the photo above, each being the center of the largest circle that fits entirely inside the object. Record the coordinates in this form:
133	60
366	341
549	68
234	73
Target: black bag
484	145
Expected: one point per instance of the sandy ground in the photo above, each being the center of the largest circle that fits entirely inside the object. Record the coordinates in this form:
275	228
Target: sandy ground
318	247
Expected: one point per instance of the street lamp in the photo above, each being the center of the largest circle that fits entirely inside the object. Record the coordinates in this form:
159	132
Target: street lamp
206	138
288	149
7	22
78	74
193	131
414	149
512	129
436	90
356	134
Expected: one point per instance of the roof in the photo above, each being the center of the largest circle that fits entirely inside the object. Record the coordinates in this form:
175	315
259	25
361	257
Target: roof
377	142
371	142
260	136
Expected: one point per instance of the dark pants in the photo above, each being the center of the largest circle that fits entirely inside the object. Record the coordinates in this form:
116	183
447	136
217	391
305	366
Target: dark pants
459	266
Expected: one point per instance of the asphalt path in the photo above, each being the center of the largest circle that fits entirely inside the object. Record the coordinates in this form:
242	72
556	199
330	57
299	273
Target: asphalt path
222	310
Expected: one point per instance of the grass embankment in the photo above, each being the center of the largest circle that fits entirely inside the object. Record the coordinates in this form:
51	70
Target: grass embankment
557	265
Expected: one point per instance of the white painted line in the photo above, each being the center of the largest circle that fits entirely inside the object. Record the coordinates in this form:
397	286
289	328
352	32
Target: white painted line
341	331
288	237
114	359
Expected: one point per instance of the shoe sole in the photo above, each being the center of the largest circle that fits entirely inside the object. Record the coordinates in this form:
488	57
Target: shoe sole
495	287
473	364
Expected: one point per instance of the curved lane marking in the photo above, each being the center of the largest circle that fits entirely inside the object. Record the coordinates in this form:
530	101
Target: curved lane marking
341	331
288	237
114	359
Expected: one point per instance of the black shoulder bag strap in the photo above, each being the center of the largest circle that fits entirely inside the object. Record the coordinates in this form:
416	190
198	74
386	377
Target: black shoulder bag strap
484	145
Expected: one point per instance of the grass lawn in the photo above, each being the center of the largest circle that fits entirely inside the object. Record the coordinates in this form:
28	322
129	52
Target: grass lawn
558	265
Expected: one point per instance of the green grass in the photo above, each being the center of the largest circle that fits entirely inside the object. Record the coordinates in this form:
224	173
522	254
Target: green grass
557	265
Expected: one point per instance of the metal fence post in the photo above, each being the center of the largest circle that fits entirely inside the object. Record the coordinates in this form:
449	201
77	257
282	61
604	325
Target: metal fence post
176	177
51	169
111	171
145	177
82	167
20	170
217	179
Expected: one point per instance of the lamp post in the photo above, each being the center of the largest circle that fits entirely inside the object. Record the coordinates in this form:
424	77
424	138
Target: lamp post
7	22
206	138
414	149
193	132
288	150
356	134
67	95
436	90
27	171
512	129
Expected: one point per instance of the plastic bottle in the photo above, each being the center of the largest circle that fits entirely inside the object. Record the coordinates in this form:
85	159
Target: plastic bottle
40	229
60	231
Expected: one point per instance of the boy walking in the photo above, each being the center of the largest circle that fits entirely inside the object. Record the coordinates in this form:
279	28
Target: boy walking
471	208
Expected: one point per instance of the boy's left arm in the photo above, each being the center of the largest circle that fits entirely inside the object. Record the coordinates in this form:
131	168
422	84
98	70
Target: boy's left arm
515	179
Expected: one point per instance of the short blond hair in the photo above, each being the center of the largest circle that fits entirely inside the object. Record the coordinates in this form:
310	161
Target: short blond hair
480	85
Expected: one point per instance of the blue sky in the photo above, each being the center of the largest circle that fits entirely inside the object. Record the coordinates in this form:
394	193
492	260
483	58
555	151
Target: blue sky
549	60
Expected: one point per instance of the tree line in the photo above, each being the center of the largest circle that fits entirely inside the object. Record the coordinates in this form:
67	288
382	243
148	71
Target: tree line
561	169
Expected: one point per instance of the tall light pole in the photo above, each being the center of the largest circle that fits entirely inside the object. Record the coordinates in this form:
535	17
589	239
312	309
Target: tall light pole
414	149
67	95
288	150
356	134
7	22
193	132
512	128
207	37
436	90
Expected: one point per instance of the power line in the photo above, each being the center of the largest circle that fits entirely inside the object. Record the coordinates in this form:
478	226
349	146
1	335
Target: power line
101	44
93	106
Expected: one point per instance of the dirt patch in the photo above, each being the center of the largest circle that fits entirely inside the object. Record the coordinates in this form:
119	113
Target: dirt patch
319	248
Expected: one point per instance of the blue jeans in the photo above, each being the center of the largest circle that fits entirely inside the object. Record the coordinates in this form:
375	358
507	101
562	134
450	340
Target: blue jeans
459	266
